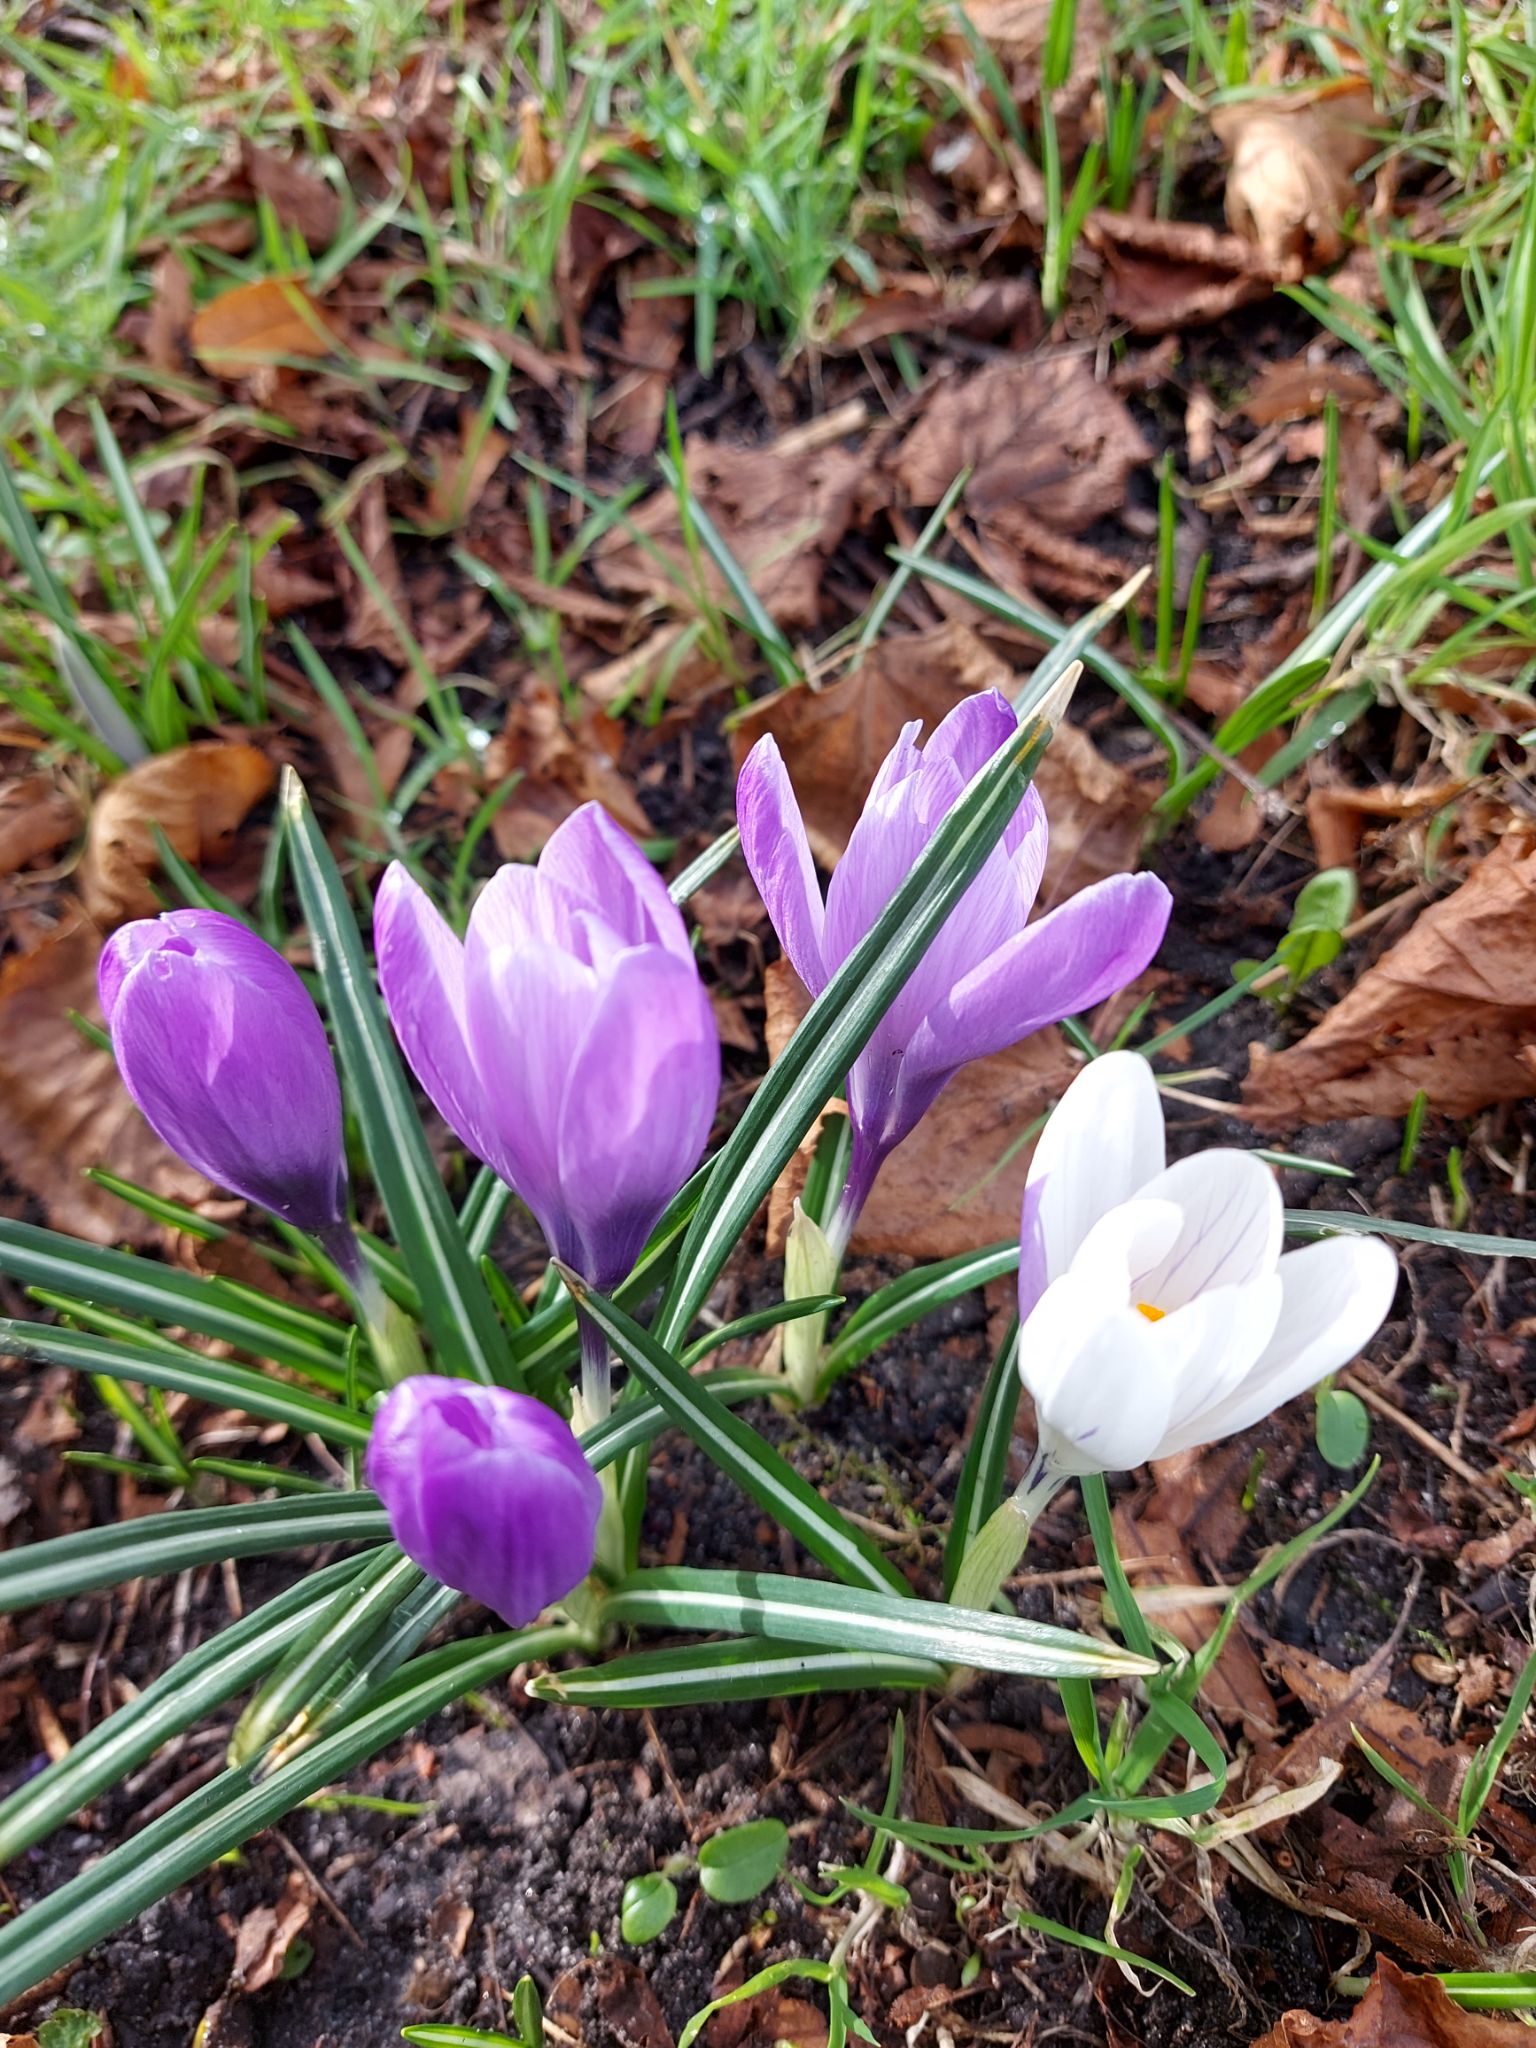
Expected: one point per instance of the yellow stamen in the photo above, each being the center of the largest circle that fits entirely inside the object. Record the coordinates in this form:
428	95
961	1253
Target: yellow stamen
1153	1315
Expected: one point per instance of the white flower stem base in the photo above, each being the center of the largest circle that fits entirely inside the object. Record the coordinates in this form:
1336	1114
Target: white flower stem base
999	1544
596	1373
592	1403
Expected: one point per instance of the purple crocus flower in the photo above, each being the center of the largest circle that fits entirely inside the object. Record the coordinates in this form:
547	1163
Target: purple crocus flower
487	1490
568	1041
220	1046
989	978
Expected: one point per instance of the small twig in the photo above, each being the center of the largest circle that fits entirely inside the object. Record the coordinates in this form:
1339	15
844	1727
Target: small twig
1421	1436
321	1890
653	1734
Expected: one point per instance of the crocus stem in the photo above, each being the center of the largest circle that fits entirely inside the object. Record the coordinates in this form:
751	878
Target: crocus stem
992	1558
864	1162
596	1372
391	1334
592	1403
998	1545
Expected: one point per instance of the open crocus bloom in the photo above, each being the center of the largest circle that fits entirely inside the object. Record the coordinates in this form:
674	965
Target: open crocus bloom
989	978
568	1041
1157	1311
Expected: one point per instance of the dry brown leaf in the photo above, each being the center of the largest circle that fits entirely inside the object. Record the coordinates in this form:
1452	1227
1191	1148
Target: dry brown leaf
1340	1701
1450	1009
593	242
168	321
1015	31
1398	2011
651	343
461	469
940	1192
1237	817
1299	389
369	621
266	1934
300	199
630	2010
36	817
1235	1688
1042	434
259	324
1337	814
1294	156
63	1107
197	795
561	769
780	509
834	740
772	2018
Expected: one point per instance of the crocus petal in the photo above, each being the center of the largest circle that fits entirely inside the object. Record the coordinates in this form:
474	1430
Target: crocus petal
1335	1295
1103	1378
1232	1326
219	1045
1027	841
1234	1222
971	733
638	1104
778	857
421	976
1067	961
487	1490
1103	1142
904	761
526	1009
596	863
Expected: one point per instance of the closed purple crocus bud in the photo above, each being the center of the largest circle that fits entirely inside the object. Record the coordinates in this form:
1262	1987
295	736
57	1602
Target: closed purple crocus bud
220	1046
568	1041
990	977
487	1490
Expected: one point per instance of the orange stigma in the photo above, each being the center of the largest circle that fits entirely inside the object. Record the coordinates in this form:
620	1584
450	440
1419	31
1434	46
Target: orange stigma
1153	1315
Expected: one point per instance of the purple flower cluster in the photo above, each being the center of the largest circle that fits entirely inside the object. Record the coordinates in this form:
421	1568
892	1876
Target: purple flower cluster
568	1042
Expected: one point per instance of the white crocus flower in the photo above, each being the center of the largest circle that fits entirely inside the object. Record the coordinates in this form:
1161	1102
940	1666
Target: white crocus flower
1156	1311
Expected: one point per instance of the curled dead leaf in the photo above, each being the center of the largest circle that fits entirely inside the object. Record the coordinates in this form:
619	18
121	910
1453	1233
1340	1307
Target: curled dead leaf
63	1108
197	795
1161	276
1397	2011
1294	156
1451	1010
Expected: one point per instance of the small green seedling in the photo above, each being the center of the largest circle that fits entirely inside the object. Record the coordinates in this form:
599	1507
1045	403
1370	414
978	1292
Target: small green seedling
732	1867
1343	1426
1316	935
